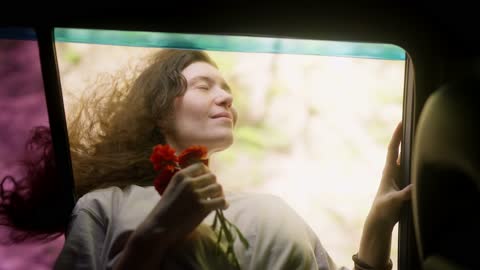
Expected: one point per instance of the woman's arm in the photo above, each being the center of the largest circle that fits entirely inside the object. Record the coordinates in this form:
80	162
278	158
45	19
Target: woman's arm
376	238
191	195
140	252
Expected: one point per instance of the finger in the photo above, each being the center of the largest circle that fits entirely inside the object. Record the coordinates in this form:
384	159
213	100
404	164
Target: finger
392	154
214	204
405	194
211	191
204	180
196	169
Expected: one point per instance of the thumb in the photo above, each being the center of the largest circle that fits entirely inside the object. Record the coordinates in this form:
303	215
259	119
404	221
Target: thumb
405	194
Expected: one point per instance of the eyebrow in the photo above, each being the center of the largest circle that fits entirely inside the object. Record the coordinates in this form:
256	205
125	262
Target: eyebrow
224	84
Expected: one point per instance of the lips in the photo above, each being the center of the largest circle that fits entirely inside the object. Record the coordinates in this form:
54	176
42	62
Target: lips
222	114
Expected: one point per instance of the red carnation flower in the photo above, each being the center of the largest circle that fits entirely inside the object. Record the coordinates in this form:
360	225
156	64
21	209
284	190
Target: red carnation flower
193	154
165	161
163	158
162	180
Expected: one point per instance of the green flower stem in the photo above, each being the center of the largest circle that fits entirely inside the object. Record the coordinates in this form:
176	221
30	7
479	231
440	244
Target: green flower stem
224	227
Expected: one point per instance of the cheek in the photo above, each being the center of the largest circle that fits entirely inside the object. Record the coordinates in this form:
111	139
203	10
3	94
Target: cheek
190	109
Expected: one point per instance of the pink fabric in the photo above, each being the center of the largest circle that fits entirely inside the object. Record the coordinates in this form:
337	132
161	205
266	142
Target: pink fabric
31	256
22	106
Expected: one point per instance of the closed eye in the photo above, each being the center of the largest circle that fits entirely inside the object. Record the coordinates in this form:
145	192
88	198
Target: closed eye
203	87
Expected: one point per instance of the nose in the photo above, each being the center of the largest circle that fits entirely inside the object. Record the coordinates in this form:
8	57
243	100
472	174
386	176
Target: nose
224	98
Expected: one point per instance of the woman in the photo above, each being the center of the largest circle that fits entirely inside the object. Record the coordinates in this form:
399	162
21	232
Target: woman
120	222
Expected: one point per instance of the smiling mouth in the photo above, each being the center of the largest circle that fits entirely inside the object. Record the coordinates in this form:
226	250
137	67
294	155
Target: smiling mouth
223	118
222	115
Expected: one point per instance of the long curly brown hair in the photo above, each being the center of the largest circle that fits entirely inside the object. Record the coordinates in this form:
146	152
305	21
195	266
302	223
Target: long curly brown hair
112	132
111	135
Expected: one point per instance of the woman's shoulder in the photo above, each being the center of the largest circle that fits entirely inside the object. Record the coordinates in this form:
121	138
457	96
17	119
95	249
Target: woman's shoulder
105	199
267	206
256	198
272	219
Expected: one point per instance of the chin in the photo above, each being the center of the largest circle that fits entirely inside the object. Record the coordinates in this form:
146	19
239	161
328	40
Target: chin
222	144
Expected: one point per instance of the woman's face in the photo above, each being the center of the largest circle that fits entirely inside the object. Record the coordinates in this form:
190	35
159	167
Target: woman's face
204	115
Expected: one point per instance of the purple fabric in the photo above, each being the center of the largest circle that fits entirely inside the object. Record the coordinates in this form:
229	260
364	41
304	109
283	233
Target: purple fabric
22	106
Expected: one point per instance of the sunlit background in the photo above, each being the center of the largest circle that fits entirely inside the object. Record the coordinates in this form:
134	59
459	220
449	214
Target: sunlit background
312	129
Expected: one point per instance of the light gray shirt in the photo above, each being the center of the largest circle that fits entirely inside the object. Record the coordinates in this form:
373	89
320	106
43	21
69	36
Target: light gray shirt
278	238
